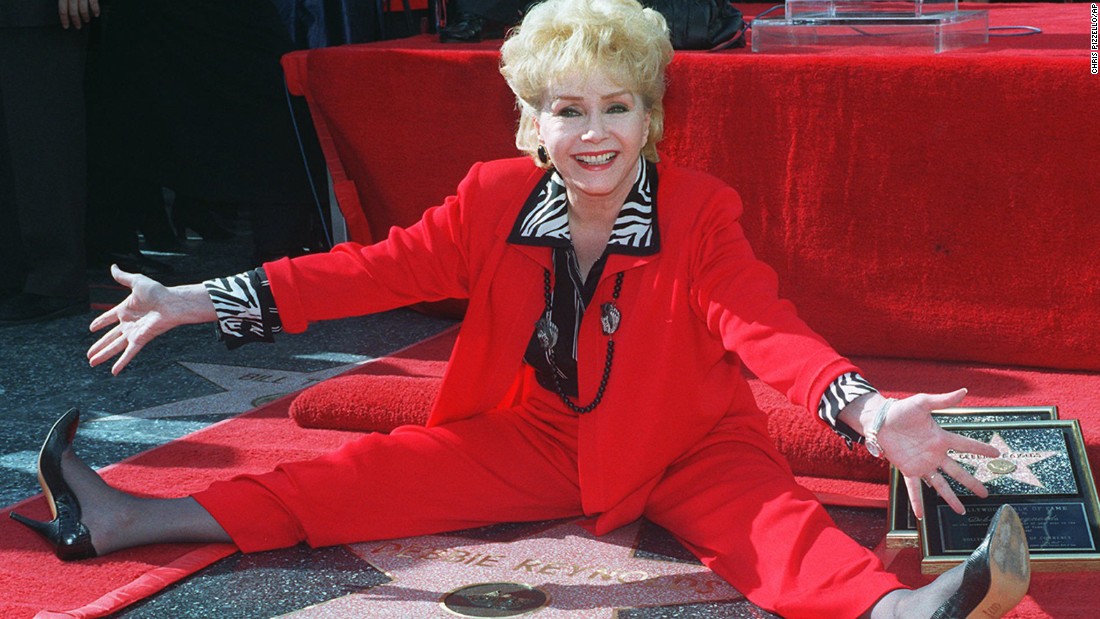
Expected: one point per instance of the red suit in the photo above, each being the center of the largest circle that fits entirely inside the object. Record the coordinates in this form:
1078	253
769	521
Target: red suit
677	438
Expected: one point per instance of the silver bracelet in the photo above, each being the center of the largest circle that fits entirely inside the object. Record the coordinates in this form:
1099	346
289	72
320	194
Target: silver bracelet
870	435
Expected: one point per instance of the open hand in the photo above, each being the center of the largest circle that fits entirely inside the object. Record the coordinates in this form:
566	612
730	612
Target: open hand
150	310
913	442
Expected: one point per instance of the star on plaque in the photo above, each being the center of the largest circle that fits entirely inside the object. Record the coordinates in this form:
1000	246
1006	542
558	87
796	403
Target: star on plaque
1010	464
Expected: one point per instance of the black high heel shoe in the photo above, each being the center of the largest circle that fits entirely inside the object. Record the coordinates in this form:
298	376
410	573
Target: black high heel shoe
71	540
996	575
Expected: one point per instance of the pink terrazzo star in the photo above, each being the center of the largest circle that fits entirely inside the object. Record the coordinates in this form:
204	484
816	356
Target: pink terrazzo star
1012	464
582	575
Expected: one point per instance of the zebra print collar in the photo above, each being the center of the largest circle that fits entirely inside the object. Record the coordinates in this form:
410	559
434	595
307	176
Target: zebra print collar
544	219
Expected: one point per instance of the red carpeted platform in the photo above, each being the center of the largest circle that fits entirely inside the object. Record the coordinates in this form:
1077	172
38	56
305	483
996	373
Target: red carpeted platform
919	206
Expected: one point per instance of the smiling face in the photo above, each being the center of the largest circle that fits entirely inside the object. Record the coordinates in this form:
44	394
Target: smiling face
594	131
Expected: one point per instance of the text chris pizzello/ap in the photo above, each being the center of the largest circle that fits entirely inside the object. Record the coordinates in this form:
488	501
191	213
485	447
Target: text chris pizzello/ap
1093	36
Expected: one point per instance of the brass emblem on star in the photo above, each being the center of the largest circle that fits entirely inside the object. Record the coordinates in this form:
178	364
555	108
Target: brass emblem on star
495	599
1001	466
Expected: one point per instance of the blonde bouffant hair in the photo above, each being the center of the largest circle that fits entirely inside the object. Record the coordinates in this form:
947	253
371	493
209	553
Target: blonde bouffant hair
630	44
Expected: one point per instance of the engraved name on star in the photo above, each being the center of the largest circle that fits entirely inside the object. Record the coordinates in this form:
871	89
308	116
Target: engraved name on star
581	576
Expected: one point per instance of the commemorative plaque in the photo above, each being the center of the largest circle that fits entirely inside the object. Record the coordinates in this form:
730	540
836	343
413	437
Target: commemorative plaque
902	523
1043	472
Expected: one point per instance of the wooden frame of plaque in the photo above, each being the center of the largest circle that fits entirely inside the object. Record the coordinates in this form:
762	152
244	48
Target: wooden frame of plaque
902	524
1044	473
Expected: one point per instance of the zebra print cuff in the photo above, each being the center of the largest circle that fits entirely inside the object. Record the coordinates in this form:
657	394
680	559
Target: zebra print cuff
842	392
245	308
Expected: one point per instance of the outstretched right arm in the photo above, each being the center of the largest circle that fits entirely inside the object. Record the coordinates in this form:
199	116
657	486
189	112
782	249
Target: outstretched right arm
149	310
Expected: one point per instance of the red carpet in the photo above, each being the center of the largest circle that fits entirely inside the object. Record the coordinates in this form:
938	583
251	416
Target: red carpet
35	584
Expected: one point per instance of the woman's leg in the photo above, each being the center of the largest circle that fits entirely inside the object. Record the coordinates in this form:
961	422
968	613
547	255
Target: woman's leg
990	583
119	520
499	466
734	502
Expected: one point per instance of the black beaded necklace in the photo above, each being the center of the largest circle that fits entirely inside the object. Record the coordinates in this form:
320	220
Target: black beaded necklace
547	332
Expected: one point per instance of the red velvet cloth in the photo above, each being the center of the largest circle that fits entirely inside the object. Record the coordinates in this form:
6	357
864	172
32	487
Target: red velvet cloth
379	397
918	206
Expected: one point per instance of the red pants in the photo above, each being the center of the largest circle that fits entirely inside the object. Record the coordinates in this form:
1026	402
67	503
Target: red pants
734	505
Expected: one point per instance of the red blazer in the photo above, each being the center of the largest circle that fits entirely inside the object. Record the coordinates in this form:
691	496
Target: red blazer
691	314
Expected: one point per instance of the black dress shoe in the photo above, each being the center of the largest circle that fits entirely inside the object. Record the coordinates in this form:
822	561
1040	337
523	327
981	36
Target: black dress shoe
996	575
132	262
70	539
470	28
162	243
202	220
25	308
158	232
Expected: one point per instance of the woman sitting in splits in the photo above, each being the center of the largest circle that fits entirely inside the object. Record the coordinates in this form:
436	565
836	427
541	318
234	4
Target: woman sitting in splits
598	372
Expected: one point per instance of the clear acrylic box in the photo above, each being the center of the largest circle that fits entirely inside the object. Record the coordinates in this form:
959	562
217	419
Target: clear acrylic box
922	26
